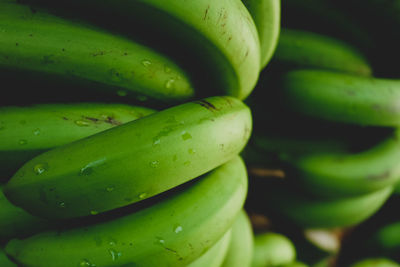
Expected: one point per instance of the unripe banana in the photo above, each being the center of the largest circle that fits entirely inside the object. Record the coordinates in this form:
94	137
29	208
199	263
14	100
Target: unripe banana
376	262
216	39
215	255
302	49
386	239
5	261
345	174
272	249
35	41
15	222
241	245
343	97
28	131
295	264
114	168
267	17
310	212
172	232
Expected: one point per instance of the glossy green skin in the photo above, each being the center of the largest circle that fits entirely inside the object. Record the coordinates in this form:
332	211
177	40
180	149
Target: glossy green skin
28	131
267	17
302	49
240	252
15	222
50	46
174	231
221	34
215	255
272	249
342	97
114	168
346	174
5	261
324	213
378	262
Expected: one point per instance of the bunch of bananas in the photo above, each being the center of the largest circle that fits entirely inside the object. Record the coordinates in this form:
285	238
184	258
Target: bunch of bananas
121	135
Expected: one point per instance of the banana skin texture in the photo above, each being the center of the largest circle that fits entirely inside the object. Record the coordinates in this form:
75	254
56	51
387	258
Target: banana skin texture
37	42
272	249
342	97
267	17
116	168
303	49
339	174
28	131
175	231
15	222
218	40
215	255
240	252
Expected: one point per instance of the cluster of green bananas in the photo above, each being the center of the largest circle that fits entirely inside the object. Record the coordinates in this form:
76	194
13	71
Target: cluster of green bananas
116	148
325	147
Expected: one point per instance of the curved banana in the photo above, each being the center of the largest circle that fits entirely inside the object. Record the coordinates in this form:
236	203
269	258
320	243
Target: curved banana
302	49
35	42
342	97
217	40
272	249
174	231
215	255
345	174
5	261
375	262
15	222
267	17
240	250
30	130
310	212
114	168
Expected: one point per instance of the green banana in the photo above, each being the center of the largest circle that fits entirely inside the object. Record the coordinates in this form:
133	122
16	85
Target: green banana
15	222
267	17
342	97
302	49
240	250
34	41
173	232
216	39
386	239
5	261
346	174
215	255
376	262
272	249
295	264
28	131
185	141
309	212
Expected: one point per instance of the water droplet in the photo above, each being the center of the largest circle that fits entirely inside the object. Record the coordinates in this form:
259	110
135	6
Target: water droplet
160	240
88	169
192	151
146	63
115	255
86	263
110	189
178	229
61	204
186	136
22	142
170	83
93	212
112	243
36	131
154	164
143	195
156	142
121	93
81	123
167	69
40	168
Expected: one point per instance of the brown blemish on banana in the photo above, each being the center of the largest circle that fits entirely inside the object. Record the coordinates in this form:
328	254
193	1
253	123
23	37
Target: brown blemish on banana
206	12
207	105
